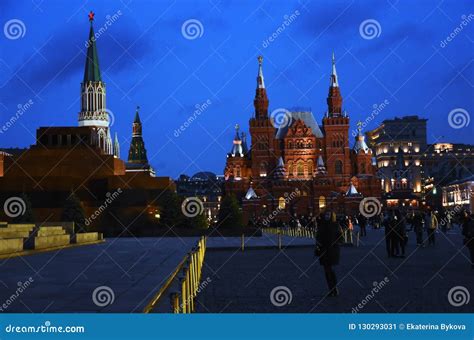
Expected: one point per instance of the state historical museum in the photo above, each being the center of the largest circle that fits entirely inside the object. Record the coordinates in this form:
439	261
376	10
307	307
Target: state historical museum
296	166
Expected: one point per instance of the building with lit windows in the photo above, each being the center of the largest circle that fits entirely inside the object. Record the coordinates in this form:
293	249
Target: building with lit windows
296	166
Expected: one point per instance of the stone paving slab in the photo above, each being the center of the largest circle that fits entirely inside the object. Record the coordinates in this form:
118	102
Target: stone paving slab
64	280
420	282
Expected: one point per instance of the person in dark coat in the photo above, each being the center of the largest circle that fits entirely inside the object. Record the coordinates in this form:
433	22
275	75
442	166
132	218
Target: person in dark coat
387	223
328	237
468	233
418	227
401	232
362	225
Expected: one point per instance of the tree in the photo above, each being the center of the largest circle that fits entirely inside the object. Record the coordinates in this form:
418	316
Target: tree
74	212
230	215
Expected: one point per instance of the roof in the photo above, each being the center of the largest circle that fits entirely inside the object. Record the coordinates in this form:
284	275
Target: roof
307	117
92	70
250	194
360	144
352	191
204	176
469	178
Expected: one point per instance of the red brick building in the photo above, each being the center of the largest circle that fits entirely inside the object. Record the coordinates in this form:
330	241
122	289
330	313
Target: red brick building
83	159
296	166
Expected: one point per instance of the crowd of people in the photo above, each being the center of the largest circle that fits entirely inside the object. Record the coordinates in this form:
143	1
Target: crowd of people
333	231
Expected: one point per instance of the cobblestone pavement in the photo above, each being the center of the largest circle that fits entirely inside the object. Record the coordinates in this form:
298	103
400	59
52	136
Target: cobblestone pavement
420	282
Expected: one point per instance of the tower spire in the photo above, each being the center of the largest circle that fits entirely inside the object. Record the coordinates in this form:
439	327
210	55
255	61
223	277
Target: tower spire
92	70
334	82
261	100
137	152
334	99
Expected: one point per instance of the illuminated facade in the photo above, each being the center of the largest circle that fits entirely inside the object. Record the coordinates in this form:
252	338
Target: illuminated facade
296	166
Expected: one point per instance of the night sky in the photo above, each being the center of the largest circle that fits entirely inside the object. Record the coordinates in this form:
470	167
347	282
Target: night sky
146	60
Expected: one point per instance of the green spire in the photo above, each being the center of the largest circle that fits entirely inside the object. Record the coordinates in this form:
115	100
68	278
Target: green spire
92	70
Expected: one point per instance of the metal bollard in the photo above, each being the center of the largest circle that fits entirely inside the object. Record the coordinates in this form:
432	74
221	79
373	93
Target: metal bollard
242	239
183	308
357	239
174	297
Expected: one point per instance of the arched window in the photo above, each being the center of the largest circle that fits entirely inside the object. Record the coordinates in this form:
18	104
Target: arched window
300	168
310	144
362	168
281	203
290	145
338	167
322	202
310	168
290	168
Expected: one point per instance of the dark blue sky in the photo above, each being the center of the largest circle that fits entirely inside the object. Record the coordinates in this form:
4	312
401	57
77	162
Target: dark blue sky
147	61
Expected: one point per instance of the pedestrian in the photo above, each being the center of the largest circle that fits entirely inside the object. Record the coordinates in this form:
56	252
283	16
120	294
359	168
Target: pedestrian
328	237
388	232
431	222
401	232
418	227
362	225
468	233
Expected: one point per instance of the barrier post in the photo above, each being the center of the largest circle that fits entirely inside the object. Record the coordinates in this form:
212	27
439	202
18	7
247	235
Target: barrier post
242	239
175	302
183	308
279	241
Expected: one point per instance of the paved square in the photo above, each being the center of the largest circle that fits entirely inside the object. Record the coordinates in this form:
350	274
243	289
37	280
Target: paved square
420	282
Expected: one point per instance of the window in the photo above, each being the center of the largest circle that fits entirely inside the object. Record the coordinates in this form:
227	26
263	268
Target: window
300	168
290	145
310	168
281	203
238	173
362	168
338	167
263	169
322	202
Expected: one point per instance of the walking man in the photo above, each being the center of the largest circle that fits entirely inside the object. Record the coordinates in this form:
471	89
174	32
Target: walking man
328	237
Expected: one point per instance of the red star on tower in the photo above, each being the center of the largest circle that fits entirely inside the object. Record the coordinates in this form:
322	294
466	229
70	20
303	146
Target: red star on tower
91	16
